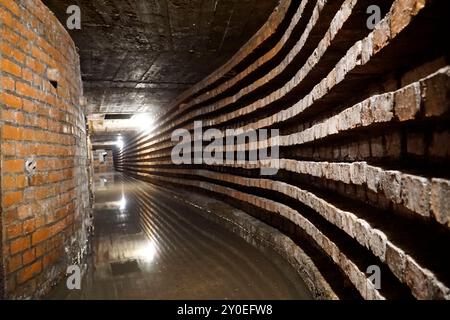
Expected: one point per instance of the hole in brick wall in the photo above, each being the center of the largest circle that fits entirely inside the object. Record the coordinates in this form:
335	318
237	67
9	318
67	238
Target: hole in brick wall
118	116
30	165
54	84
53	76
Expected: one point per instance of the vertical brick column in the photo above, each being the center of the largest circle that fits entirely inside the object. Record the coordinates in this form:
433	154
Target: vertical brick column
42	212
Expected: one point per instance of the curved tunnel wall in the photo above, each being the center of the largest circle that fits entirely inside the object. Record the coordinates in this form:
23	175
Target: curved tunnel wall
42	212
364	140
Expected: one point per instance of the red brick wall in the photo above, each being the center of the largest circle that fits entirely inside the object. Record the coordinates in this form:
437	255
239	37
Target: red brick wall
42	213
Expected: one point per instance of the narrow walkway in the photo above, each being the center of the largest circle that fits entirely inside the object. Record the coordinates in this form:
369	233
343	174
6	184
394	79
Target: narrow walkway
149	245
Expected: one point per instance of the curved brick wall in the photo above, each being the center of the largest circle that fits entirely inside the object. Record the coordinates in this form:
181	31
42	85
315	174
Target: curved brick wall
364	123
42	213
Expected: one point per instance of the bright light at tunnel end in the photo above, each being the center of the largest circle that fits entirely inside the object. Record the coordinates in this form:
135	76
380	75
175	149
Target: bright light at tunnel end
143	121
119	142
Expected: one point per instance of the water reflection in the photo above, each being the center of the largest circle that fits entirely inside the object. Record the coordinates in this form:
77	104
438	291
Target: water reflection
150	245
147	251
122	203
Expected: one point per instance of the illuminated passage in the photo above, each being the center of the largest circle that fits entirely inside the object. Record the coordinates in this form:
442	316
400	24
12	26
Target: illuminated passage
225	149
150	244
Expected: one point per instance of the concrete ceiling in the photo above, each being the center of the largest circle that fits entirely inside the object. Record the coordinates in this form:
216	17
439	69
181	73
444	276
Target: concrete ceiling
138	55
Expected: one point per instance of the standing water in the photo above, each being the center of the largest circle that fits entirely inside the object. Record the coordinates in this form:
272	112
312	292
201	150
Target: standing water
150	245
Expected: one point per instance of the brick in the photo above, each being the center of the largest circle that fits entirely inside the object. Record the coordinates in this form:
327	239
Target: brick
402	13
435	90
11	133
407	102
16	55
14	263
53	74
19	245
40	235
381	35
364	149
12	198
13	231
8	149
7	83
414	278
354	56
358	173
27	91
29	256
10	216
11	67
35	65
29	272
396	260
382	108
13	166
390	184
41	249
416	194
21	181
366	113
423	71
51	258
25	211
11	6
440	200
344	172
29	106
13	116
8	183
10	100
393	144
348	223
367	47
29	226
372	177
376	147
331	79
378	244
43	192
362	233
415	144
340	70
439	146
344	152
390	84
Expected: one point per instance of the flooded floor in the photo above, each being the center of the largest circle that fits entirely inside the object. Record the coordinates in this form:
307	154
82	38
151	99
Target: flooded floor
150	245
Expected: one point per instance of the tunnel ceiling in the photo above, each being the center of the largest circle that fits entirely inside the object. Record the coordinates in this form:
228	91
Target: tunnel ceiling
138	55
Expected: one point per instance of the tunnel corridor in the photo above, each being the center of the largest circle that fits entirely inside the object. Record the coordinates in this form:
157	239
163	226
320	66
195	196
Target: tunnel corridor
161	247
224	150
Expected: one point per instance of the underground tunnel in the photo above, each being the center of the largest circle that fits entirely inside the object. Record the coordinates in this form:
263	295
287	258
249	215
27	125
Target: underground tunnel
224	150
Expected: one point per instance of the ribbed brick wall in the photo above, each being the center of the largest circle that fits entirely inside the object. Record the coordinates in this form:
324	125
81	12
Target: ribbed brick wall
42	213
364	123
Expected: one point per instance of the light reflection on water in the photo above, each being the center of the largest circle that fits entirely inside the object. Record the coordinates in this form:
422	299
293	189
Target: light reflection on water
178	253
122	203
147	251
